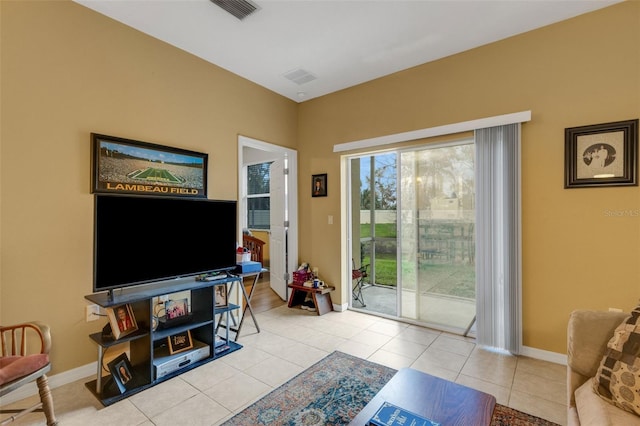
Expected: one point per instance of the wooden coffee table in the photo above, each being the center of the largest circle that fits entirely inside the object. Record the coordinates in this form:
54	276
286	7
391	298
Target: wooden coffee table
436	399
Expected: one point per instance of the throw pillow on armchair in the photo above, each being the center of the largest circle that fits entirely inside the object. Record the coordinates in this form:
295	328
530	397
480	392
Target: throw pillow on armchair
618	378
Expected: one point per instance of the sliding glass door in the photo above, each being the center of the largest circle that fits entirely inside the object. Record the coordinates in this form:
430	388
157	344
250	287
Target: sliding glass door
437	235
413	222
374	232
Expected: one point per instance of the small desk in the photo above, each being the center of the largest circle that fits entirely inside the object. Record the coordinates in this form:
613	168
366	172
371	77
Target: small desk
439	400
321	297
256	276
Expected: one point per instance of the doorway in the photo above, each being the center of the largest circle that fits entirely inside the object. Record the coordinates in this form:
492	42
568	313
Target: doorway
283	232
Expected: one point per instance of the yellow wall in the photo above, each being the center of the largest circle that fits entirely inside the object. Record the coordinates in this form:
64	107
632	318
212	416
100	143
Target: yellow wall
67	71
578	72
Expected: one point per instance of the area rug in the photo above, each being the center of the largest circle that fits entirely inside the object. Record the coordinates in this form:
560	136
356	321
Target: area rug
333	391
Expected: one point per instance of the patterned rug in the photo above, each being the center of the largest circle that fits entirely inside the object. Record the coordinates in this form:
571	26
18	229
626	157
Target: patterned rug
333	391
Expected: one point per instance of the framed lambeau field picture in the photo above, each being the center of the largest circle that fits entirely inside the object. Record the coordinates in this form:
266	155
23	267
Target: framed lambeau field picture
602	155
132	167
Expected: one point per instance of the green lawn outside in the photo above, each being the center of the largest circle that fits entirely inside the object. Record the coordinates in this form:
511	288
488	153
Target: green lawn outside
448	278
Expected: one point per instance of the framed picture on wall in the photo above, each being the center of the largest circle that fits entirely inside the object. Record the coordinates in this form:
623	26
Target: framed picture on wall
132	167
319	185
602	155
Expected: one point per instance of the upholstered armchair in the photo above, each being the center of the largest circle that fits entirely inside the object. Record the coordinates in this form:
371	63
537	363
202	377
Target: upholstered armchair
19	365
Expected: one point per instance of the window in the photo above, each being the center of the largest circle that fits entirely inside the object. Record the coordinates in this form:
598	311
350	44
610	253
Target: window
258	196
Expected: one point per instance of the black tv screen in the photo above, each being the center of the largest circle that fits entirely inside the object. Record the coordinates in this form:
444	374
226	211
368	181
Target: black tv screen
142	239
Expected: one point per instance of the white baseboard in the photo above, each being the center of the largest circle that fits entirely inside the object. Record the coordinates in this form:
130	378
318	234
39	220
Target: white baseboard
87	372
340	308
544	355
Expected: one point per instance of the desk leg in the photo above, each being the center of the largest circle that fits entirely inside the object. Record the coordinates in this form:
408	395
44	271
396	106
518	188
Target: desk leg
248	306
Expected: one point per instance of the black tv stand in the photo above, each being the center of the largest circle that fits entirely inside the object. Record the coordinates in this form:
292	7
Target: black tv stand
204	327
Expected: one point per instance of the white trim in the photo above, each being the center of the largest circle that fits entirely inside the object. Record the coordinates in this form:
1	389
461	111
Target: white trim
447	129
86	372
340	307
544	355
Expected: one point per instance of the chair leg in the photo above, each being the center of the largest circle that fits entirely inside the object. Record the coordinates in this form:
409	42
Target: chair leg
357	293
47	400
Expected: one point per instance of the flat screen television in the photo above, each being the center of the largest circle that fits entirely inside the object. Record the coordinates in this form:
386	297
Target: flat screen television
145	239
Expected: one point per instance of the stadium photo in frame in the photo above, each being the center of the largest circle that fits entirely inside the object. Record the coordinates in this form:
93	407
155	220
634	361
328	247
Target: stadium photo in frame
133	167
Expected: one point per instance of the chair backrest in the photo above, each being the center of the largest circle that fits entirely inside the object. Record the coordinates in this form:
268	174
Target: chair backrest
255	246
15	339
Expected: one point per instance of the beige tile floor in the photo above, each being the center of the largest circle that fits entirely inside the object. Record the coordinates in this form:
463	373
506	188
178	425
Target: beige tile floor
291	340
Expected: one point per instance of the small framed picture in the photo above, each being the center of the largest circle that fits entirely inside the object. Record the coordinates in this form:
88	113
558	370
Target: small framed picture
220	296
122	372
601	155
319	185
180	342
176	308
122	320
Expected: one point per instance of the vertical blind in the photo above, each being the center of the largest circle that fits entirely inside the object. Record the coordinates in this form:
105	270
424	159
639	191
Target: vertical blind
498	238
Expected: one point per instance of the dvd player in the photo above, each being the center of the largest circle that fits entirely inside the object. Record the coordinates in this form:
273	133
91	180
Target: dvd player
164	363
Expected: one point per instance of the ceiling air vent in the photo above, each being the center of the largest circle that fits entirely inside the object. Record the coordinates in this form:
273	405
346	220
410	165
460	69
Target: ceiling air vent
238	8
299	76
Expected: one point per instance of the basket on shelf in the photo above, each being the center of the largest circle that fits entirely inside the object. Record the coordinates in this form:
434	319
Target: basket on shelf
300	277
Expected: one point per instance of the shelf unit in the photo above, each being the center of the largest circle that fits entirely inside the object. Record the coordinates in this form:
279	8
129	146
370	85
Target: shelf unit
145	343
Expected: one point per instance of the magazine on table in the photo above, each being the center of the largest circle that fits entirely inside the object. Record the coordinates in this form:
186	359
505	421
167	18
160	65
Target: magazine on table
392	415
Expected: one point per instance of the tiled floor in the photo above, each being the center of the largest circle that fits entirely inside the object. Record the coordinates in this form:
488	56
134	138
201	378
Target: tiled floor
291	340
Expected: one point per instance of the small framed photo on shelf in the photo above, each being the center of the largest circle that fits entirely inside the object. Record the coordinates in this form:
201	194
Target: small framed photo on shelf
220	296
176	308
122	320
122	372
180	342
319	185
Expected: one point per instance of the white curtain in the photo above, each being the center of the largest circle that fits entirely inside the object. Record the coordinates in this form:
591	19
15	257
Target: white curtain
498	238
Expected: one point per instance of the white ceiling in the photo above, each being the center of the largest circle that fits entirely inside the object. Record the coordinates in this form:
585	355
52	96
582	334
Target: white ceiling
341	42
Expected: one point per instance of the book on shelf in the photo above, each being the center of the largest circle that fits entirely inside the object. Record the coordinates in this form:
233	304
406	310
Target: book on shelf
392	415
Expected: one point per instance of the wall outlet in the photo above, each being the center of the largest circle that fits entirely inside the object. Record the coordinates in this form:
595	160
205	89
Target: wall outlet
92	312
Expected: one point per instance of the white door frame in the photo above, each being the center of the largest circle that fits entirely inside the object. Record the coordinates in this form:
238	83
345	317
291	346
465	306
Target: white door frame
292	198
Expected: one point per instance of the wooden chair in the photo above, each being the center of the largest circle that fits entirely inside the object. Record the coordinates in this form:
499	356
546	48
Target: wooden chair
20	366
255	246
